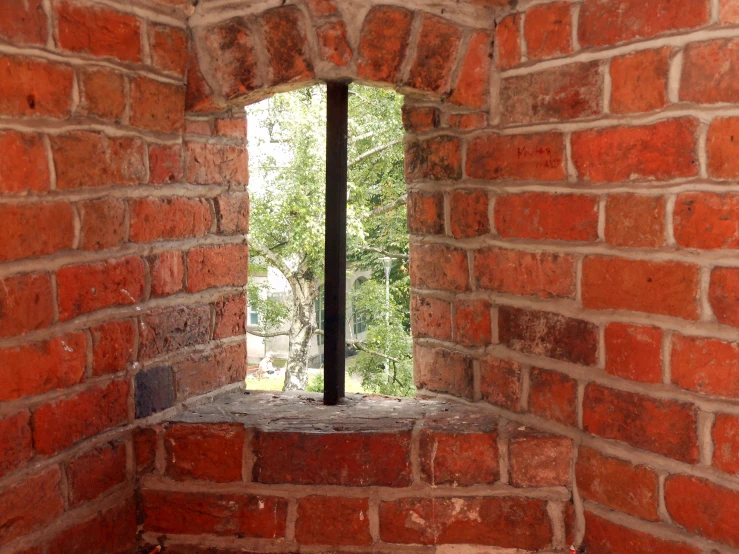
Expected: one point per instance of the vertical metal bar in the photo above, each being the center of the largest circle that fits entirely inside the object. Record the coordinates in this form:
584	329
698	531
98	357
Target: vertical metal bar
335	280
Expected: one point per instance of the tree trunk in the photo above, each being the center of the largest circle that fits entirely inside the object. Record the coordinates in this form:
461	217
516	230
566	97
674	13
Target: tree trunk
301	332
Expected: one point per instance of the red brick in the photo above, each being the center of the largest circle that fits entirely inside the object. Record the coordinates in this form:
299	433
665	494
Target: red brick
89	287
30	505
103	94
171	329
548	334
436	52
112	346
234	128
42	366
729	11
707	220
434	159
383	43
98	31
26	304
725	436
206	452
169	218
370	458
23	22
603	22
516	157
500	382
230	50
195	513
539	460
703	508
567	92
167	273
232	210
540	215
418	120
618	484
722	148
507	522
469	213
724	295
548	30
333	43
634	220
539	274
431	317
664	150
199	94
157	106
111	531
222	164
468	121
199	127
436	266
33	87
333	520
508	40
665	427
165	164
460	452
425	213
23	167
472	323
634	352
553	395
168	48
441	370
710	72
217	266
471	87
322	7
707	366
230	316
17	446
95	472
604	537
639	81
201	373
284	35
666	288
102	223
84	159
145	449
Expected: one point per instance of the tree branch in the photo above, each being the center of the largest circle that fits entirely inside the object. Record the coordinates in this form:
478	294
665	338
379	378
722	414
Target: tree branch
359	345
273	258
373	151
397	256
266	334
400	201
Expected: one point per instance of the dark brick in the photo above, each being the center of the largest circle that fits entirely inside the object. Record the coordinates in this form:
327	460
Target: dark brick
154	391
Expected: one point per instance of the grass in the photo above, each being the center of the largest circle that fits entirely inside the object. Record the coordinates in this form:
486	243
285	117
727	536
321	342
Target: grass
353	384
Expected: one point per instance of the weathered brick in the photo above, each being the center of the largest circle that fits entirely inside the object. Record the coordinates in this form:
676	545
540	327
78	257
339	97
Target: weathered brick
234	128
26	304
145	449
199	94
102	223
95	472
441	370
112	346
707	366
31	230
567	92
516	157
221	164
206	452
553	395
167	273
418	120
635	220
468	121
707	220
472	323
202	127
42	366
196	513
232	211
725	434
722	148
217	266
508	41
165	164
548	30
634	352
548	334
710	72
666	288
333	520
201	373
103	94
23	166
704	508
639	81
84	159
507	522
540	215
230	49
168	48
383	43
469	213
425	213
17	446
665	427
98	31
724	295
500	382
334	44
605	537
169	218
157	106
29	87
112	531
471	87
539	459
171	329
617	484
230	316
437	266
322	7
664	150
91	412
153	391
23	22
90	287
436	52
434	159
431	317
284	35
729	11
